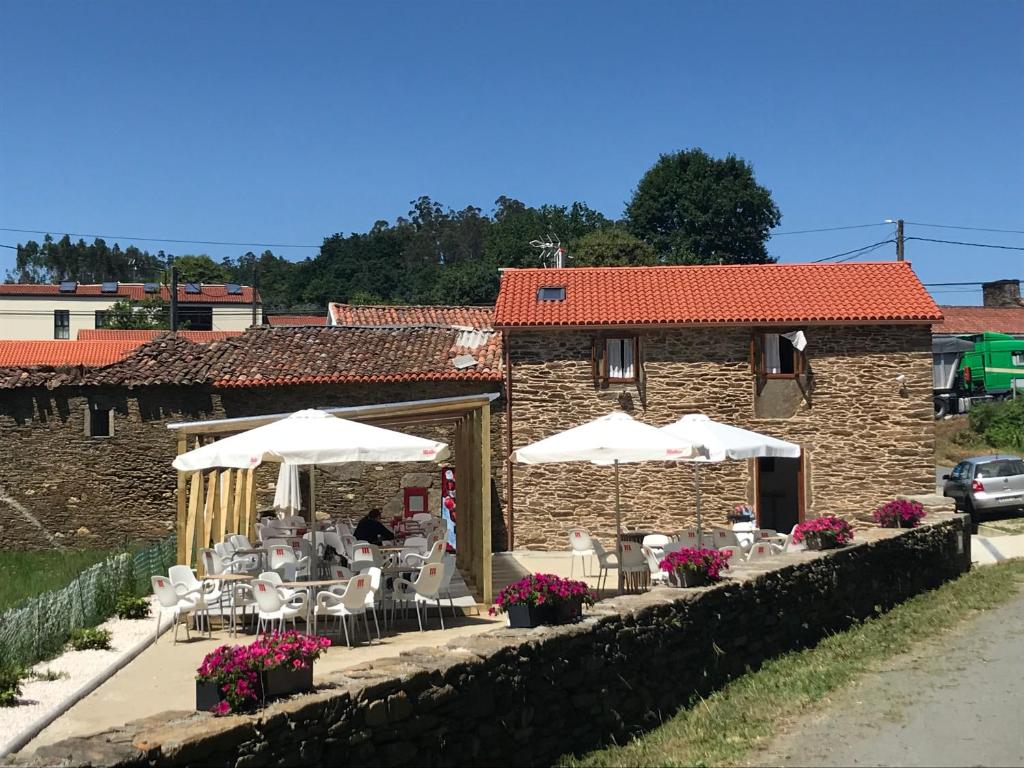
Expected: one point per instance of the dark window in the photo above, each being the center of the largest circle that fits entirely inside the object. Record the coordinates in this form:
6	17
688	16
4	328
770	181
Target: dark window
999	468
551	293
773	355
615	360
101	318
62	324
99	422
195	318
108	288
151	287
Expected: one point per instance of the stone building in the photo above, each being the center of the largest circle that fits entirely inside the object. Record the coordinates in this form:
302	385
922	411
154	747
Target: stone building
835	357
86	454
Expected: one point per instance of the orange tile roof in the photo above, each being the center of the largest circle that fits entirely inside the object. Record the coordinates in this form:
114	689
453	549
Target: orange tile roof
139	336
55	354
865	292
282	320
970	320
398	315
211	293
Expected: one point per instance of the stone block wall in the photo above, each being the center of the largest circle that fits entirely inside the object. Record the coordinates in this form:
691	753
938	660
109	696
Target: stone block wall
865	439
526	697
60	487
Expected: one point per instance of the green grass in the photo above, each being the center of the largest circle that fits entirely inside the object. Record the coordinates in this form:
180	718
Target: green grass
25	574
745	714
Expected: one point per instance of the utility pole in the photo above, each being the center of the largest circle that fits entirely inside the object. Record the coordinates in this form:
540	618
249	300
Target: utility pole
174	299
899	240
255	277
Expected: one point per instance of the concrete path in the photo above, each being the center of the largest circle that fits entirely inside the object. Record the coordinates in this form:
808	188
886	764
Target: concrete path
956	701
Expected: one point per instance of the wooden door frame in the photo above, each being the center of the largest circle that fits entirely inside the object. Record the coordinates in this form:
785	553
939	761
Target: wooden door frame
800	490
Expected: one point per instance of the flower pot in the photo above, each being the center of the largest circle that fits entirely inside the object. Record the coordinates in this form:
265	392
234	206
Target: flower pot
286	682
569	611
528	616
815	540
908	523
207	696
687	577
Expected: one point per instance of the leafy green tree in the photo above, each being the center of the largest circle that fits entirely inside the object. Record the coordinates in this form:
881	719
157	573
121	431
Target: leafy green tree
697	209
611	247
148	314
200	268
516	224
54	260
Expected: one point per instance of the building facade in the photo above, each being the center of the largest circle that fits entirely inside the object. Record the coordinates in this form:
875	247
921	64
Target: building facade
835	358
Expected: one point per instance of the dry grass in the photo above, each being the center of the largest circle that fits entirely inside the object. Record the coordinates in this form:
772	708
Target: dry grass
744	715
955	441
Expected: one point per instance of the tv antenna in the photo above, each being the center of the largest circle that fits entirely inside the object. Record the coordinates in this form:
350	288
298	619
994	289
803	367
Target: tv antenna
552	254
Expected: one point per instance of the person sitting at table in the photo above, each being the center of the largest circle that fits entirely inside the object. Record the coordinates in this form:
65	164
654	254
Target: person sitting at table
371	530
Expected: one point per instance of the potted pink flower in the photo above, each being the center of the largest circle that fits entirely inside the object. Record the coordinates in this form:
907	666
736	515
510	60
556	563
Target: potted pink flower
826	532
692	567
542	598
235	678
900	513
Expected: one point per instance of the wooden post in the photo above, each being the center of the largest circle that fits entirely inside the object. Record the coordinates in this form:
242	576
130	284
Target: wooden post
237	510
227	493
182	505
211	509
195	500
250	504
484	471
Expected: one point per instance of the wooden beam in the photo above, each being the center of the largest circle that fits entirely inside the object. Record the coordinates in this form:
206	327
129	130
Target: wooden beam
484	469
195	497
182	505
227	499
210	509
237	519
250	504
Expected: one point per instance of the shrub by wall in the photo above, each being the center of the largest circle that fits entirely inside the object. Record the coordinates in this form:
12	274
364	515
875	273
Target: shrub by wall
524	697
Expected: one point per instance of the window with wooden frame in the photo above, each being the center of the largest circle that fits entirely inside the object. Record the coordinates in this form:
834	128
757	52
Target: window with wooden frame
774	356
616	360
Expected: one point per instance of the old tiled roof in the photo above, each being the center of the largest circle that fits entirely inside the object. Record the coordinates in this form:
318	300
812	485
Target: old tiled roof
481	318
868	292
53	353
279	320
971	320
210	293
140	336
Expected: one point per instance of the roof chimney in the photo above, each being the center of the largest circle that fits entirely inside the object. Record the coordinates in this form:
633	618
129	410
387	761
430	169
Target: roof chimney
1001	293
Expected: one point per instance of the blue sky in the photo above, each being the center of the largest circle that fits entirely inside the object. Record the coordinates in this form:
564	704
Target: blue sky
285	122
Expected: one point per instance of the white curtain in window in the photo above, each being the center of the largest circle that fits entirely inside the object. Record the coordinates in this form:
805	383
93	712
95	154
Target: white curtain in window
620	358
772	359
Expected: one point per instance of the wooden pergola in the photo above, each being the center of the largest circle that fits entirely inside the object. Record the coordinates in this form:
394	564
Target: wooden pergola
218	502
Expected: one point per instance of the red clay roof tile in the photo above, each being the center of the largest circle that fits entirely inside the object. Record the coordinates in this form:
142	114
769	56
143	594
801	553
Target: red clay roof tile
142	336
868	292
971	320
360	315
280	320
210	293
55	354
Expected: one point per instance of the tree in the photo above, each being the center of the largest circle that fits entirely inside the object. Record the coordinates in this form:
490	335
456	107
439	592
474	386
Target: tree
52	261
516	224
697	209
200	268
148	314
611	247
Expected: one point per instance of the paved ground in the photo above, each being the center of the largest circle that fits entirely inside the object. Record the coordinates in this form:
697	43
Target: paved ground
957	701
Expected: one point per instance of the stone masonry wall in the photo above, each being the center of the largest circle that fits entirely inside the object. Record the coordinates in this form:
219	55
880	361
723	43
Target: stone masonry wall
865	440
60	487
526	697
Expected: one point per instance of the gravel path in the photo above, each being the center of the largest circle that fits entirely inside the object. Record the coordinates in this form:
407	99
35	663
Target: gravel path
77	668
957	701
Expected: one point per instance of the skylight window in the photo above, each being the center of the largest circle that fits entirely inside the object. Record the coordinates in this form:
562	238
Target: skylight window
551	293
234	289
192	288
68	286
151	287
108	288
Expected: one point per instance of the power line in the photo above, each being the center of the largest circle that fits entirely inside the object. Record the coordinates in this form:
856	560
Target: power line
973	229
156	239
973	245
12	247
856	251
827	229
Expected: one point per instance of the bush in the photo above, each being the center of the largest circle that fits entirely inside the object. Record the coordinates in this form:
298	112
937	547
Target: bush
1001	422
10	685
130	607
90	639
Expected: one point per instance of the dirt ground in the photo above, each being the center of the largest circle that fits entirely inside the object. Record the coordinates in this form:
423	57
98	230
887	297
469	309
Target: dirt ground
955	701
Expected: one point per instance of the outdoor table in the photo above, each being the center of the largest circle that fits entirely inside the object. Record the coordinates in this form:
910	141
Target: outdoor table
260	552
637	536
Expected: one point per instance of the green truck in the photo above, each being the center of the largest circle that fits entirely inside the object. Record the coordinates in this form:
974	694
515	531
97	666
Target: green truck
988	366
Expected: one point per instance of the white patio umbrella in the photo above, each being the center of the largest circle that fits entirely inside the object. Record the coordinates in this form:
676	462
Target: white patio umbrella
288	494
719	442
307	438
614	439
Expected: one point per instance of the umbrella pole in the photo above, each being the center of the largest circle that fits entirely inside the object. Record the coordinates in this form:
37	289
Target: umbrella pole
618	526
696	491
314	568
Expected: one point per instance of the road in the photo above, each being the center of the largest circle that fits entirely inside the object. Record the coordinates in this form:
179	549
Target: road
957	701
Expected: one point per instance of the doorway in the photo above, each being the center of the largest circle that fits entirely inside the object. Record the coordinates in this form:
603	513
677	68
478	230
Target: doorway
780	499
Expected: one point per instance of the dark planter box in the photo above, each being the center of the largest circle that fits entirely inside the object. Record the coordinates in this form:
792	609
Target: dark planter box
908	523
688	578
528	616
818	542
207	696
285	682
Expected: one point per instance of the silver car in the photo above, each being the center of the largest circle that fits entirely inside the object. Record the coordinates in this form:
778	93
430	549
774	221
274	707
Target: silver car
986	484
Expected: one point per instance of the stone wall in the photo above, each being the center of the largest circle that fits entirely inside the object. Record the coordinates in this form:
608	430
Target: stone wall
525	697
58	486
865	439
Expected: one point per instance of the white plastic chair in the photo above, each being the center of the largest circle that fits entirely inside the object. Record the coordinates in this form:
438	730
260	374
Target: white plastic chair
276	579
416	544
272	605
280	556
178	604
737	554
435	555
580	545
425	589
727	538
185	582
761	550
448	561
365	555
240	597
656	542
633	563
213	563
658	576
605	562
353	601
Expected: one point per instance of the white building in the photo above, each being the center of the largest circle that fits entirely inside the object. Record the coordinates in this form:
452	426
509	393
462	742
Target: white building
61	311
